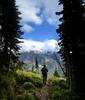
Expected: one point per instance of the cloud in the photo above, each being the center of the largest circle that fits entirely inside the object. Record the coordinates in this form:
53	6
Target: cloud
51	20
37	11
48	45
27	28
29	11
50	8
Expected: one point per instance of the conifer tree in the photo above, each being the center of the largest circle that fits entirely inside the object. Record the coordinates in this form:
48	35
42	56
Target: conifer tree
0	25
36	64
10	32
71	33
56	73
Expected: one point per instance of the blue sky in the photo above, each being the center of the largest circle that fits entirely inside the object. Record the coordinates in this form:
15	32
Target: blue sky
39	22
42	32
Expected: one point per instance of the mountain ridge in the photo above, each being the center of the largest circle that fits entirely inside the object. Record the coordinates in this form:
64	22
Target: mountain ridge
48	58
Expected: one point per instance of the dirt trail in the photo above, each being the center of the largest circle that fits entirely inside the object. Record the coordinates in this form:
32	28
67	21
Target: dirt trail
44	95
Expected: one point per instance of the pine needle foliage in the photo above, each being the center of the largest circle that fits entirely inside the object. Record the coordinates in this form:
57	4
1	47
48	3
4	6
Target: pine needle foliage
71	32
9	33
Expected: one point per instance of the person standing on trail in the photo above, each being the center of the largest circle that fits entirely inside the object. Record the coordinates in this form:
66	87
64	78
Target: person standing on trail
44	71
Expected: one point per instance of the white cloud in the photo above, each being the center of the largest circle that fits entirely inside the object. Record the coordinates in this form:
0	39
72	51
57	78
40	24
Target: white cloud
31	9
48	45
27	28
51	20
50	8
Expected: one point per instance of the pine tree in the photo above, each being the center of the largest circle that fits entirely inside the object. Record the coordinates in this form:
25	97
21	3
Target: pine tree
33	68
10	32
56	73
0	27
71	33
36	64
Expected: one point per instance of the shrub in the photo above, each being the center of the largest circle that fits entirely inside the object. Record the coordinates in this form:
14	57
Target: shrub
29	96
59	89
7	87
28	85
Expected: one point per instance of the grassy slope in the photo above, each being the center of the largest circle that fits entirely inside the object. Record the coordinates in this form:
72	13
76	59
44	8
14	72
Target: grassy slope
21	85
29	84
26	85
58	88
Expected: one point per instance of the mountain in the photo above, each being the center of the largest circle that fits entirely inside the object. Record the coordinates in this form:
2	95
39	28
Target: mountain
48	58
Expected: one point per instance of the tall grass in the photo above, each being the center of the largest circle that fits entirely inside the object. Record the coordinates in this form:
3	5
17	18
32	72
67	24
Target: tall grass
58	88
30	83
20	85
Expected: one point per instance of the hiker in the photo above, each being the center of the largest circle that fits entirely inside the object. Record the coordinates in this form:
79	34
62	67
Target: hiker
44	71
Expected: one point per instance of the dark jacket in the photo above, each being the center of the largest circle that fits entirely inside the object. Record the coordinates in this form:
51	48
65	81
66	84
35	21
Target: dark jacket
44	71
